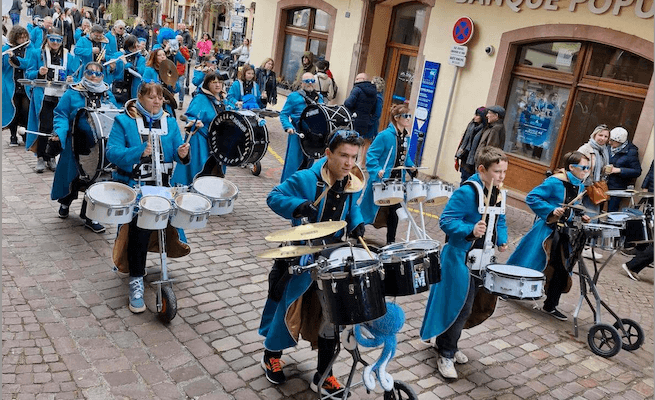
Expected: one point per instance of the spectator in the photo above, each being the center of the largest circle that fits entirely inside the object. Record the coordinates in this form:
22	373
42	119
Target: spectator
307	62
42	10
140	31
265	77
494	133
90	16
14	12
362	100
204	46
379	87
640	261
598	154
77	16
647	184
624	162
243	53
181	69
65	26
465	154
324	84
187	40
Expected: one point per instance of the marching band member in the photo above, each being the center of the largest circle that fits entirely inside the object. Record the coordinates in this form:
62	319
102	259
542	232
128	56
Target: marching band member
90	92
39	32
546	202
203	108
116	37
15	97
83	30
133	71
388	150
94	47
293	199
244	92
290	117
151	73
449	307
52	63
209	65
130	148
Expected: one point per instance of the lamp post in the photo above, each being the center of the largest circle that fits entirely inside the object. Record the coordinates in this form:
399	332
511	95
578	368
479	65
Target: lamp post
175	5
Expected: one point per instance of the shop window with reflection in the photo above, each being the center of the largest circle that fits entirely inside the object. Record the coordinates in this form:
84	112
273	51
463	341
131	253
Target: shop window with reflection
306	29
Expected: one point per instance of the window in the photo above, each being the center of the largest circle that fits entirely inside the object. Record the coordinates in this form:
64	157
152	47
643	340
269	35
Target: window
306	29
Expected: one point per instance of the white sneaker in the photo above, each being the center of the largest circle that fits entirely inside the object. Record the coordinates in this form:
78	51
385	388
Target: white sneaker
634	277
446	367
40	165
460	358
588	253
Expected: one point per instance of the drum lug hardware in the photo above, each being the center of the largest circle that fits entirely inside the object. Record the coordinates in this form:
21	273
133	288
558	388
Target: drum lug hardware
334	287
471	259
320	284
368	282
492	259
351	289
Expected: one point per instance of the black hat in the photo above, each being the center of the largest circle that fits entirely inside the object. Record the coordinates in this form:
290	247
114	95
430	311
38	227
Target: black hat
497	110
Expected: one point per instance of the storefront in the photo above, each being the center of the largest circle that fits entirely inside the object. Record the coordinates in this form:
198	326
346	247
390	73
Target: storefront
559	68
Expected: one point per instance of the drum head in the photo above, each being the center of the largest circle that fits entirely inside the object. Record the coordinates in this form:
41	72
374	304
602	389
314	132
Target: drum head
155	203
342	253
233	136
317	121
192	202
112	193
215	188
514	271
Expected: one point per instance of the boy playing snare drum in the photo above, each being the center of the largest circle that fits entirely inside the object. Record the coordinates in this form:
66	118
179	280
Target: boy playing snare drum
449	308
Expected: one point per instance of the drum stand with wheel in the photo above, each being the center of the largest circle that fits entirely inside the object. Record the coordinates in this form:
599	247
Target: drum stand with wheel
604	340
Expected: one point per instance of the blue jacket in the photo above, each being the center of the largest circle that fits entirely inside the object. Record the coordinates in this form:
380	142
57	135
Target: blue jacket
36	100
84	51
382	148
124	146
36	38
139	65
78	34
9	85
448	296
235	94
628	160
69	105
542	200
200	107
283	200
289	117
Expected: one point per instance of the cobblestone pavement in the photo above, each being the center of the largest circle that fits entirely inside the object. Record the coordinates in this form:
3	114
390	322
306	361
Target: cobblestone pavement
67	332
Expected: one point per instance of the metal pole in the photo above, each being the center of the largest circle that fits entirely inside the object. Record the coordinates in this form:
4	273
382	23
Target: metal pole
445	121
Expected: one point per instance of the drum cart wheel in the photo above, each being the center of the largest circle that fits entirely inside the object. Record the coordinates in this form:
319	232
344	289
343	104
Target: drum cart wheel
632	335
401	391
166	304
604	340
256	168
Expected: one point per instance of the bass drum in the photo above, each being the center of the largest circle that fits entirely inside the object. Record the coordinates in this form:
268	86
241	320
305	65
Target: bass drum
91	128
238	138
317	121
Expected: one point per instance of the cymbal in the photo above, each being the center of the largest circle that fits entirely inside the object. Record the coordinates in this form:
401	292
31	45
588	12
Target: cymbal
307	231
169	98
404	167
290	251
168	72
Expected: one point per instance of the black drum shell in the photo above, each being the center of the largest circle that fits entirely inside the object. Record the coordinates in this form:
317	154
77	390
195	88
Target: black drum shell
316	123
236	138
365	302
399	275
433	267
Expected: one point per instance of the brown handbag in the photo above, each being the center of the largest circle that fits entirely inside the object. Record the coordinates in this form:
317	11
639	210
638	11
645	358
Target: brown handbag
596	192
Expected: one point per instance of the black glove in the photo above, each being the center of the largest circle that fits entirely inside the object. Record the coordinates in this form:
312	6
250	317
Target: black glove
306	209
53	147
413	173
358	231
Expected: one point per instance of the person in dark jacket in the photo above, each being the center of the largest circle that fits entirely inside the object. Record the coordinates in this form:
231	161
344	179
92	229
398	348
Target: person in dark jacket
624	160
647	184
362	100
265	78
42	10
494	133
465	155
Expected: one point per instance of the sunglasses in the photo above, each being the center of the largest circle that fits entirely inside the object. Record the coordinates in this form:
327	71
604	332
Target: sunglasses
96	74
55	38
213	62
309	80
344	135
405	115
582	167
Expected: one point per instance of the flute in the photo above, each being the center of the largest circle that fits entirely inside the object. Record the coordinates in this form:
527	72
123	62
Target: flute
14	48
118	58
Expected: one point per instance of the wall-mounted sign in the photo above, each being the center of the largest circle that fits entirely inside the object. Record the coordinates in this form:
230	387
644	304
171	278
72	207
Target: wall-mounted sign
457	55
423	110
463	30
595	7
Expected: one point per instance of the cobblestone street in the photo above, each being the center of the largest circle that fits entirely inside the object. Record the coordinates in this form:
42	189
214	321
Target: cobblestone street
67	332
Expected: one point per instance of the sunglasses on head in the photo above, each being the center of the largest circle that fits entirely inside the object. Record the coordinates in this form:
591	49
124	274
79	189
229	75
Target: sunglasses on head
55	38
312	80
150	81
582	167
96	74
344	135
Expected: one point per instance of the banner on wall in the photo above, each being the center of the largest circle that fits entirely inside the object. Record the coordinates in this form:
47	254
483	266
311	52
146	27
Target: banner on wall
423	110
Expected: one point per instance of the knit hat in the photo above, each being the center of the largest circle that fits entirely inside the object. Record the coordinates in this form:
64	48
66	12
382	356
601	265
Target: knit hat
497	110
619	134
481	111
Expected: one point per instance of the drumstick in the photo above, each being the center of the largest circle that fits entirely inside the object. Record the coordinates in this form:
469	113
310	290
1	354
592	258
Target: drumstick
599	216
195	130
487	200
325	192
578	197
361	240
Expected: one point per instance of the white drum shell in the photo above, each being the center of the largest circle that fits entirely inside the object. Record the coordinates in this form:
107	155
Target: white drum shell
388	193
154	212
513	281
436	190
190	211
416	191
220	192
110	202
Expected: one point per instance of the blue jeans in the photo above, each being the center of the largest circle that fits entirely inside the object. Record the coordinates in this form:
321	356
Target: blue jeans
15	19
447	341
180	80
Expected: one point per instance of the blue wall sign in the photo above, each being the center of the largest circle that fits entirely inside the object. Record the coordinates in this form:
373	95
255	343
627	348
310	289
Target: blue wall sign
423	110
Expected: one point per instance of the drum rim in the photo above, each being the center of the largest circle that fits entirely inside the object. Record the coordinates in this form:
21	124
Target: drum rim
214	198
374	266
146	197
413	255
508	275
122	187
189	194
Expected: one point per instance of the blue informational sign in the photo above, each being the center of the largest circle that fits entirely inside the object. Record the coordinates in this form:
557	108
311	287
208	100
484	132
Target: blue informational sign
423	110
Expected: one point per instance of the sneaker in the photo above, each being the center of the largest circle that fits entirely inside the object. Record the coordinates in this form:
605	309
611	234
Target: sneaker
51	164
273	367
556	314
331	387
137	305
13	142
460	358
40	165
446	367
588	253
627	271
63	211
94	226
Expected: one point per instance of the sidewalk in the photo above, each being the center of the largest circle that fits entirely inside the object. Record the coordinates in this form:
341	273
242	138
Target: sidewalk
68	334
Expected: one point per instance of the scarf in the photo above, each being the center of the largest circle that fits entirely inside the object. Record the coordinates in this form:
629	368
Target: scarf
614	151
216	101
602	159
573	179
149	117
94	87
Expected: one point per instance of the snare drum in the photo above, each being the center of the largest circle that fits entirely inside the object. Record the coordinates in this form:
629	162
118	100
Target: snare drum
238	138
317	121
416	190
220	192
436	190
110	202
514	282
154	212
634	227
355	296
342	253
388	193
602	236
404	272
190	211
